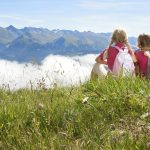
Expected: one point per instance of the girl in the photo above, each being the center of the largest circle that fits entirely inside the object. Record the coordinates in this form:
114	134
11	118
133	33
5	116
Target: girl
143	56
119	41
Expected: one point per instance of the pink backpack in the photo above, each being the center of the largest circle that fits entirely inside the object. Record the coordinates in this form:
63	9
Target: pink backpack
123	64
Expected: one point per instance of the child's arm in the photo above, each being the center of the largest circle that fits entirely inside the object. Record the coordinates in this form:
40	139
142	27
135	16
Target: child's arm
101	58
147	53
136	65
133	56
105	54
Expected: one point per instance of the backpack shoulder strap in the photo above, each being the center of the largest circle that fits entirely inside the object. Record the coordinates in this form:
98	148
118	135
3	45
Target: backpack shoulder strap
118	48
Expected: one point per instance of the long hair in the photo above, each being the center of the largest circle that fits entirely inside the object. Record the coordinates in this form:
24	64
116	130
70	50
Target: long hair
120	35
144	41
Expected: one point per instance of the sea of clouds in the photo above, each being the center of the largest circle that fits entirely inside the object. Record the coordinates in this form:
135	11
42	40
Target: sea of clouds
54	70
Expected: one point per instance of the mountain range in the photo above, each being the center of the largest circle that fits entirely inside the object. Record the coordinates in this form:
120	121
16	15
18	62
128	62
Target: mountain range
34	44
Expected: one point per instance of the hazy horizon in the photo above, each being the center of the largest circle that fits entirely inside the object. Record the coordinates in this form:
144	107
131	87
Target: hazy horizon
57	29
50	29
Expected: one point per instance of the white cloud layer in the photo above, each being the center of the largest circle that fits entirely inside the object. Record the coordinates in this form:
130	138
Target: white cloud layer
59	70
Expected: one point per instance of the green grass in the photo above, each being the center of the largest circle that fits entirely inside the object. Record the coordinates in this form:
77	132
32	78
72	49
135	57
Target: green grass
57	118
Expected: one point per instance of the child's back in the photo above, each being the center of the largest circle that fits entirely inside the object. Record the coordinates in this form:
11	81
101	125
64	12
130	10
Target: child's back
118	47
143	56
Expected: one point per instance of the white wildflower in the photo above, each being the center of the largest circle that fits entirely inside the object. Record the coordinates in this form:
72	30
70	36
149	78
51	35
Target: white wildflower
40	106
85	100
33	120
144	115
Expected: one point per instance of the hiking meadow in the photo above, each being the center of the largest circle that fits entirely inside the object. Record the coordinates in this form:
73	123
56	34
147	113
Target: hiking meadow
105	114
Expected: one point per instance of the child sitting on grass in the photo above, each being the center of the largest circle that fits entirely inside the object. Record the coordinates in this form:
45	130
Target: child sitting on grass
143	56
118	45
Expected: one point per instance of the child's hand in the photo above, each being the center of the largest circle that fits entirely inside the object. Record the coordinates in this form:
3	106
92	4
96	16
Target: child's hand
147	53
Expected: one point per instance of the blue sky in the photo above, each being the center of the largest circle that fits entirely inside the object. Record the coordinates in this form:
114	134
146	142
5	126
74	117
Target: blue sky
83	15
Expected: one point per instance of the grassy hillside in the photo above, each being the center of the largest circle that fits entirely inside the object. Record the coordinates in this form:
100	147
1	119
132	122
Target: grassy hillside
104	114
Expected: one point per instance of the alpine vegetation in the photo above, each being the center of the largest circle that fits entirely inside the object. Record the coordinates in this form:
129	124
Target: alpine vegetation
104	114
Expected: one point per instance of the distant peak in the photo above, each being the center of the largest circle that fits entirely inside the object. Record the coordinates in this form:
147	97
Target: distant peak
11	27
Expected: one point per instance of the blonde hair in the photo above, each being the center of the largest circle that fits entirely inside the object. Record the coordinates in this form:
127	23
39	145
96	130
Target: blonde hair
144	41
119	35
